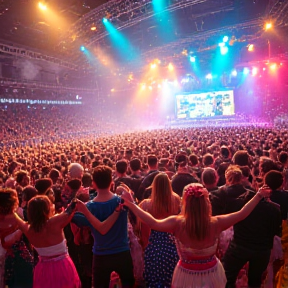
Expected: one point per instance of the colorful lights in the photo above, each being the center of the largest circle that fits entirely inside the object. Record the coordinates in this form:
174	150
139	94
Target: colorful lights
42	6
82	48
105	20
224	50
273	66
170	67
246	71
192	59
93	28
153	66
250	47
268	26
254	71
225	39
234	73
209	76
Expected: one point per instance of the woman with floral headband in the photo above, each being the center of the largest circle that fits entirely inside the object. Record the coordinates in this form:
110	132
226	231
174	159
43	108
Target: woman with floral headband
196	233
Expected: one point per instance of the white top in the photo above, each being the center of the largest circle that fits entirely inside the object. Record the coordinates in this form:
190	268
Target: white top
54	250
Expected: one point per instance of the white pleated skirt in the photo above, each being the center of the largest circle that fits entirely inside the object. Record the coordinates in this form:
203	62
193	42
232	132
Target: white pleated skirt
210	278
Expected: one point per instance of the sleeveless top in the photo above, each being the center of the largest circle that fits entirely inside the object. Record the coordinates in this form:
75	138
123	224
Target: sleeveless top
187	253
54	250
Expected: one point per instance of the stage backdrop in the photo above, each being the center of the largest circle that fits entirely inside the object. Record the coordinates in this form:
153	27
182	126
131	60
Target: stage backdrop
208	104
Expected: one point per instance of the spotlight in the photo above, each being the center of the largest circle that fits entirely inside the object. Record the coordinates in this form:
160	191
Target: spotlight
254	71
246	71
250	47
192	59
225	39
234	73
93	28
222	44
268	26
273	66
209	76
223	50
150	87
82	48
153	66
170	67
42	6
143	87
105	20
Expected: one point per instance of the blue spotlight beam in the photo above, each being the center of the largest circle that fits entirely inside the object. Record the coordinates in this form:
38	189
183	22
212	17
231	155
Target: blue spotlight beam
122	44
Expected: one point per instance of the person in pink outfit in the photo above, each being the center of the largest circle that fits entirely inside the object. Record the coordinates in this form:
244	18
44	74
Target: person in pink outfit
55	268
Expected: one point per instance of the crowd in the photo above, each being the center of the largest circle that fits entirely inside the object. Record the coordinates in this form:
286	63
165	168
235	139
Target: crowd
182	190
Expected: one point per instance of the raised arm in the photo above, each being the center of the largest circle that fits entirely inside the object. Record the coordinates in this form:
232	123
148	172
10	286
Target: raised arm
102	227
163	225
226	221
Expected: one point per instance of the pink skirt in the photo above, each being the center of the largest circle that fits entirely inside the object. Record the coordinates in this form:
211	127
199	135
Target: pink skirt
58	272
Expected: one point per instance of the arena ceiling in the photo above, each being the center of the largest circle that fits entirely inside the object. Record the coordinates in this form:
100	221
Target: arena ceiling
193	25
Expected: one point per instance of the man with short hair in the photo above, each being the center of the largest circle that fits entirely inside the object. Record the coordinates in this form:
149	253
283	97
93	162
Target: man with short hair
111	252
209	179
148	179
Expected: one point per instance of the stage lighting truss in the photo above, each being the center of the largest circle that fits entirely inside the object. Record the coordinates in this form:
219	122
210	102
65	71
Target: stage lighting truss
124	14
15	50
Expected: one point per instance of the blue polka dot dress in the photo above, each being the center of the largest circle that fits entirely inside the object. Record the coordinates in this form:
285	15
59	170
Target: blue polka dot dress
160	259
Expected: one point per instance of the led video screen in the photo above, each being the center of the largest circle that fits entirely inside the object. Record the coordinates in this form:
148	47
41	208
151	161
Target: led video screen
209	104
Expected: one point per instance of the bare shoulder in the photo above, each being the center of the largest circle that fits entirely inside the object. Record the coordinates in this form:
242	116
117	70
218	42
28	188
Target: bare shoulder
145	204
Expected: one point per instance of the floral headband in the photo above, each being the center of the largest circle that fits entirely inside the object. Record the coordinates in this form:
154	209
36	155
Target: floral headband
194	191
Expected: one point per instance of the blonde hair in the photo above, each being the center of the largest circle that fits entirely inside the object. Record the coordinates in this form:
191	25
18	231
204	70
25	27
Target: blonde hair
161	196
197	211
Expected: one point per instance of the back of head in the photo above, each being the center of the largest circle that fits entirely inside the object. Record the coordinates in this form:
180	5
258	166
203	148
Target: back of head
8	201
75	170
121	166
224	151
54	175
233	175
87	180
209	177
197	211
38	212
241	158
283	157
266	165
28	193
74	184
193	159
180	161
102	176
42	185
135	164
152	161
208	160
274	179
161	195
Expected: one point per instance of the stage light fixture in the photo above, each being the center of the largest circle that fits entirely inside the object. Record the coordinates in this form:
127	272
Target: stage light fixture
209	76
153	66
82	48
234	73
105	20
225	39
246	71
192	59
222	44
93	28
268	26
250	47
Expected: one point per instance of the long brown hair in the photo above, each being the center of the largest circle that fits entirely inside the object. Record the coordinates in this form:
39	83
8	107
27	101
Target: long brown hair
197	211
161	196
38	212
